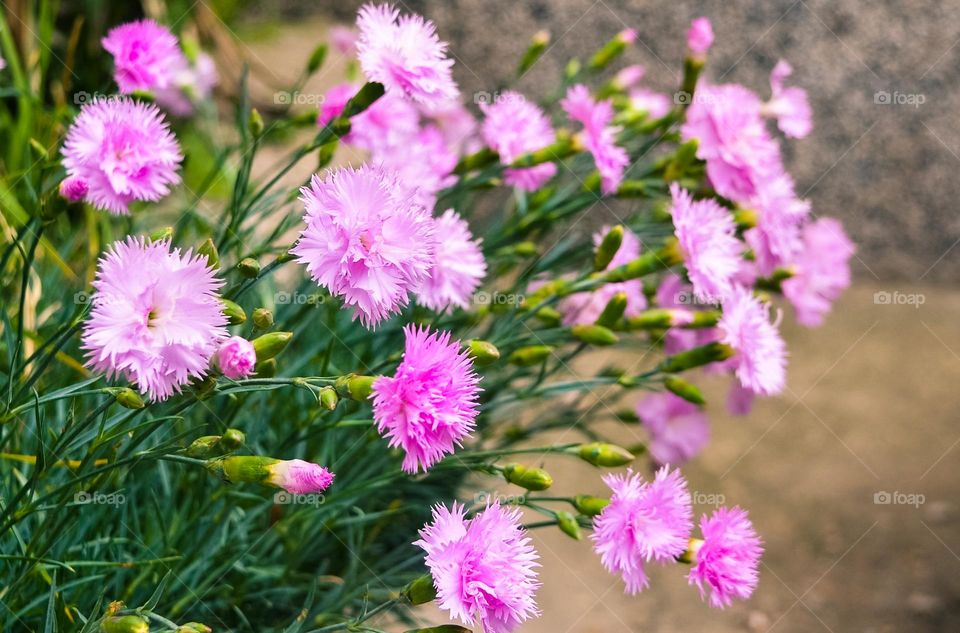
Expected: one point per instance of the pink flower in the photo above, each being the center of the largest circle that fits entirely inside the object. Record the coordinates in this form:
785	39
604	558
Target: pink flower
191	85
707	236
628	76
365	240
733	140
299	477
146	56
430	404
627	36
484	568
739	399
513	127
156	317
73	189
423	163
236	357
789	106
456	123
761	357
404	54
458	267
124	151
645	521
726	562
821	270
700	36
388	123
776	238
585	307
344	39
599	136
334	101
655	104
673	292
678	429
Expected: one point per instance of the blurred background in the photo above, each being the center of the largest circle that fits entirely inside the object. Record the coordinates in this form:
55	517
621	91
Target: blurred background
851	475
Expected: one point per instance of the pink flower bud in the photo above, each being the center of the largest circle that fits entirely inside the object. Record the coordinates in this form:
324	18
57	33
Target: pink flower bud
299	477
236	357
700	36
73	188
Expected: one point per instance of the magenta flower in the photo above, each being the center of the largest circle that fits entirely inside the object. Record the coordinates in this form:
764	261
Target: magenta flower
344	39
645	521
821	271
739	399
458	267
365	240
512	127
599	136
760	360
788	105
727	560
585	307
387	124
423	163
776	239
236	357
73	189
156	318
146	56
191	85
655	104
299	477
484	568
678	429
707	236
430	404
124	151
334	101
700	36
457	124
627	76
404	54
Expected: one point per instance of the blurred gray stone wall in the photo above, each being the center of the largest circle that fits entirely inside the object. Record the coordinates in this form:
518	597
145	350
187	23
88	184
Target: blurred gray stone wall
882	75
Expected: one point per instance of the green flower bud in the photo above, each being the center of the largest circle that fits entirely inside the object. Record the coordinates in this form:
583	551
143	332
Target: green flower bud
685	156
329	398
649	262
594	334
613	311
572	68
690	554
611	50
568	525
549	316
483	352
255	123
745	218
530	355
125	624
126	397
529	478
233	439
541	39
590	506
161	234
355	387
203	446
266	368
696	357
634	189
262	318
249	267
420	591
680	387
209	250
193	627
608	248
603	454
525	249
250	469
39	150
317	57
627	416
370	92
234	313
269	345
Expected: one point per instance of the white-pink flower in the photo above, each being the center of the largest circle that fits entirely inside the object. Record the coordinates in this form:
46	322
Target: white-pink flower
458	266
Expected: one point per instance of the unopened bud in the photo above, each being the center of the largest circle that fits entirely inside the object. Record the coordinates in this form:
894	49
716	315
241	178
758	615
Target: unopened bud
249	267
590	506
317	57
250	469
612	49
125	624
420	591
685	155
127	397
266	368
541	39
355	387
329	398
209	250
269	345
483	352
233	439
530	355
696	357
549	316
193	627
594	334
204	446
39	150
568	525
370	92
603	454
161	234
613	311
689	555
234	313
680	387
608	248
529	478
255	123
262	318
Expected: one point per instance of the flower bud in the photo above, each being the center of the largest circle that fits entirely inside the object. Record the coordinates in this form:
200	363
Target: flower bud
269	345
568	525
233	439
355	387
590	506
370	92
262	318
250	469
603	454
234	313
73	189
572	69
249	267
680	387
529	478
608	248
541	39
193	627
696	357
266	368
39	150
236	358
483	352
204	446
205	387
125	624
317	57
255	123
420	591
613	311
612	49
690	554
161	234
530	355
126	397
549	316
682	159
329	398
209	250
594	334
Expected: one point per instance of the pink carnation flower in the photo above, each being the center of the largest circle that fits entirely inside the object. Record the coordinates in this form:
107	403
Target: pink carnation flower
821	271
726	562
388	123
299	477
655	104
156	317
776	238
457	124
430	404
484	568
73	189
700	36
788	105
423	163
191	85
146	56
739	399
344	39
334	101
627	76
707	236
365	240
645	521
458	267
236	357
599	136
585	307
512	127
678	429
760	360
124	151
404	54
